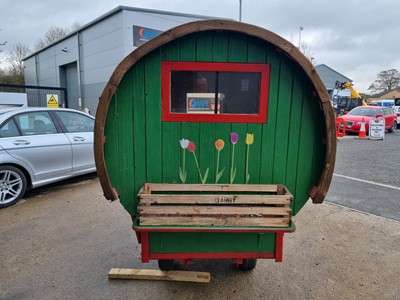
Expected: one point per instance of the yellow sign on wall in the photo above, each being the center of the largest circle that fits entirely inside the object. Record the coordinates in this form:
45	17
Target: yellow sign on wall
52	101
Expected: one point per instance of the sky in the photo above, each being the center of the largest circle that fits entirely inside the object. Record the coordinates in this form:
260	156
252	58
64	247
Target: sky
357	38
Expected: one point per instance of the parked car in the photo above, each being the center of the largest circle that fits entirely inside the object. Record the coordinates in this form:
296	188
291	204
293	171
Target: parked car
355	117
396	110
39	146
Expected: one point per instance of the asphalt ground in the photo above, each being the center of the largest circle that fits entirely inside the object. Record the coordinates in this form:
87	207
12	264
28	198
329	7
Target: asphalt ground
61	241
367	175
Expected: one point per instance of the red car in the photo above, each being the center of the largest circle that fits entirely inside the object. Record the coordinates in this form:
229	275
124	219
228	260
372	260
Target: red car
359	114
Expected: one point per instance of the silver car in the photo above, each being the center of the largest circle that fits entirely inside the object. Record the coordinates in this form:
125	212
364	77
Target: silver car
39	146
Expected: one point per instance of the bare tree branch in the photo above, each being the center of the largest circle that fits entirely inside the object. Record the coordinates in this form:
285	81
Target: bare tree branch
387	80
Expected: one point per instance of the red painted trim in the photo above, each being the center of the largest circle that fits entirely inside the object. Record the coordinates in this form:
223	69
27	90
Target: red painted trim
168	116
145	247
212	255
279	246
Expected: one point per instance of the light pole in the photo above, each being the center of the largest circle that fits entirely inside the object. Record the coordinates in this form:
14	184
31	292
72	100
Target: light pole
240	10
301	29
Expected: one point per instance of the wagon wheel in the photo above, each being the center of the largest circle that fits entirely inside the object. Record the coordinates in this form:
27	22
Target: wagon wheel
166	264
248	264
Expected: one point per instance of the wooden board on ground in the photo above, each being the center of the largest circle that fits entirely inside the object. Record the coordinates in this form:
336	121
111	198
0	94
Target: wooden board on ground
145	274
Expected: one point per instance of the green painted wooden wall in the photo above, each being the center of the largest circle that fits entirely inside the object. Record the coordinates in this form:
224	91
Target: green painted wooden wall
288	150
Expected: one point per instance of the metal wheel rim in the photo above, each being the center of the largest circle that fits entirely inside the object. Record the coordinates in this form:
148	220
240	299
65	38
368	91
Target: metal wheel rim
10	186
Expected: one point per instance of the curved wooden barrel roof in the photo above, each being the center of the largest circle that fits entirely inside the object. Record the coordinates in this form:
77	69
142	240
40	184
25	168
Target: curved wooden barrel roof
110	97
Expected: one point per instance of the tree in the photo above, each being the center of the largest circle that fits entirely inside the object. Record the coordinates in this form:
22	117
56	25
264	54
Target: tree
52	35
13	71
387	80
306	50
11	64
15	56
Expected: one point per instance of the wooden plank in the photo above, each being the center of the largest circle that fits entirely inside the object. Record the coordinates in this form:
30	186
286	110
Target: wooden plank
215	199
282	126
269	129
214	221
171	130
222	131
143	274
207	150
213	187
254	153
294	131
180	210
126	160
190	131
152	140
306	153
240	152
139	122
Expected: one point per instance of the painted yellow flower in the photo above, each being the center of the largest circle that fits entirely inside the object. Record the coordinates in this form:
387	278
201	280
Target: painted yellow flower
249	139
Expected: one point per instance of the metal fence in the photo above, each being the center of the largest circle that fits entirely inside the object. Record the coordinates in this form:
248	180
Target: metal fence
38	95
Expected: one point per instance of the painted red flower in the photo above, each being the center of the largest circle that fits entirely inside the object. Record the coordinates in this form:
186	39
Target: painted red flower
191	147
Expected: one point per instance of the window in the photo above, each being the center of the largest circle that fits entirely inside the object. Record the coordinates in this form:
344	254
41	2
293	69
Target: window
214	92
35	123
388	111
75	122
9	129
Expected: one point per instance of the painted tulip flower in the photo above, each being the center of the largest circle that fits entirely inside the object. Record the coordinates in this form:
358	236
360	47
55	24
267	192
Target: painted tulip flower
184	143
249	139
182	169
234	138
191	146
219	144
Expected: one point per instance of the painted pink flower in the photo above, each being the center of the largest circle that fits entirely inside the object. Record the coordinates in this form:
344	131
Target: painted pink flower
234	138
191	147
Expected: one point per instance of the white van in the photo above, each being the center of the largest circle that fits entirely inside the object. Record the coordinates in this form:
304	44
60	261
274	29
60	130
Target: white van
384	102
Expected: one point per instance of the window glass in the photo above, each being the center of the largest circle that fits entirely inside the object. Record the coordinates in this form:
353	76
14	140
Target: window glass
34	123
215	92
198	91
75	122
388	111
9	129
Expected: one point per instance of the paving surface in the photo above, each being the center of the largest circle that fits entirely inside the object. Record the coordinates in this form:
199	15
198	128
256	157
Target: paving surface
62	243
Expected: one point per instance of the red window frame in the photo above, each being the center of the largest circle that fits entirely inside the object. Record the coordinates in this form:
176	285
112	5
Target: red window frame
168	116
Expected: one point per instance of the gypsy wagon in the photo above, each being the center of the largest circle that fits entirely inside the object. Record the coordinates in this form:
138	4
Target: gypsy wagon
213	136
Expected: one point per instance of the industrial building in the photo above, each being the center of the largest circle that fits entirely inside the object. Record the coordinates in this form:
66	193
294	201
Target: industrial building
83	61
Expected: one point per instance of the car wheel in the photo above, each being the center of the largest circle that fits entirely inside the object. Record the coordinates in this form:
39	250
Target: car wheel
248	264
12	185
394	127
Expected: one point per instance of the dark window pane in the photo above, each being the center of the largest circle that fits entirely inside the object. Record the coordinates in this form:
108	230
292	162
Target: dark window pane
195	92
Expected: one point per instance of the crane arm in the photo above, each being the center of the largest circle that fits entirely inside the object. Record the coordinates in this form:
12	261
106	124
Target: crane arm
348	85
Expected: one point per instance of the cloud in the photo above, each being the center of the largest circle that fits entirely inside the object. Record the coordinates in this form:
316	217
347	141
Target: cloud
357	38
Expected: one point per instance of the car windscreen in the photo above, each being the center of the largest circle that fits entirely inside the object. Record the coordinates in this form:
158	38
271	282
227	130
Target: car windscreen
362	111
